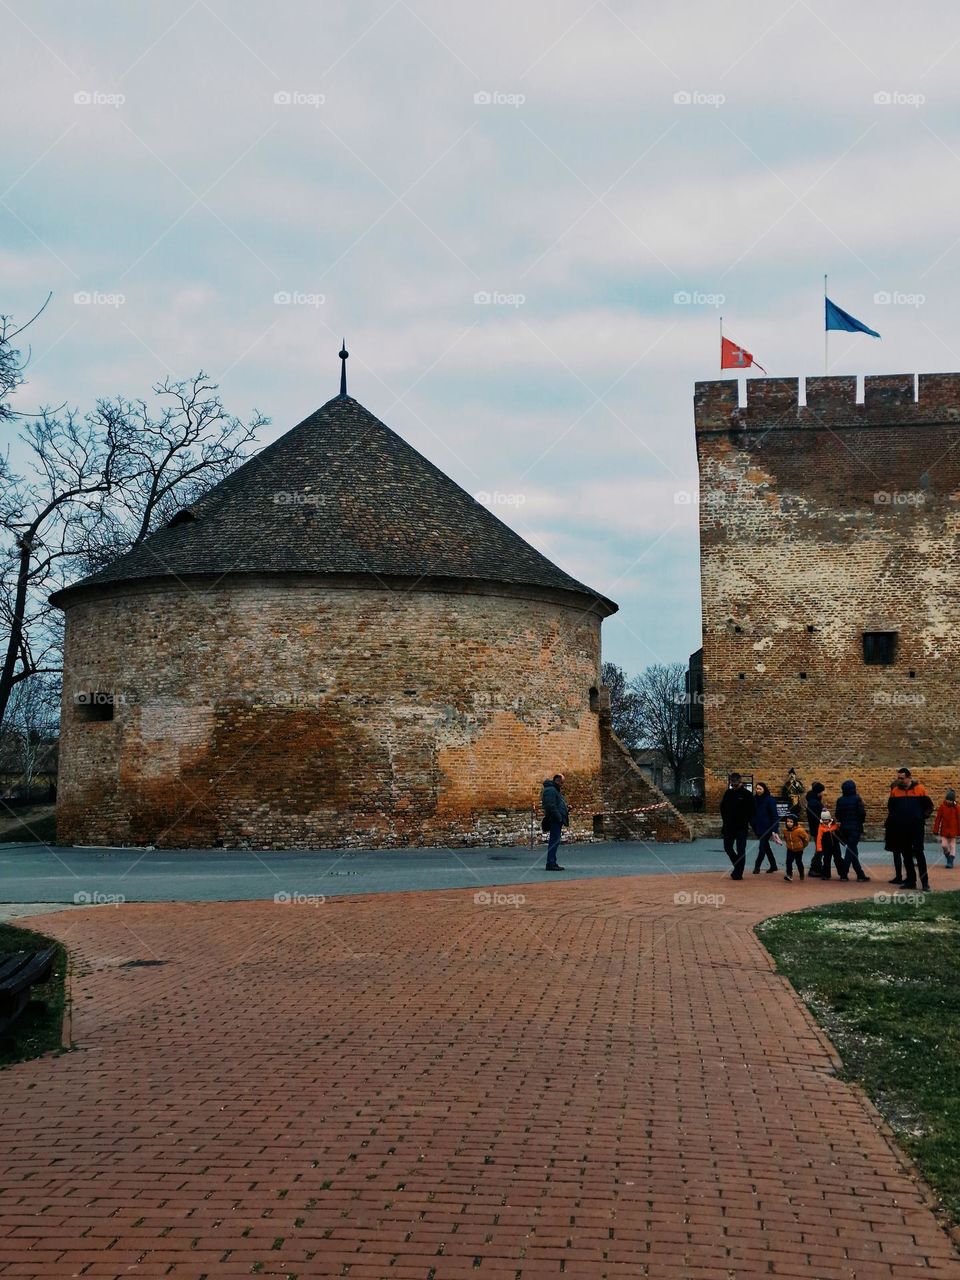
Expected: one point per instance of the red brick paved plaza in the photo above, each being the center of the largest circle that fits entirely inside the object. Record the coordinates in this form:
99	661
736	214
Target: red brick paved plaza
597	1082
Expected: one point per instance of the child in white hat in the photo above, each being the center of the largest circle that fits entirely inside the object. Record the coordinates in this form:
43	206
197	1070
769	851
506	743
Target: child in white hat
828	847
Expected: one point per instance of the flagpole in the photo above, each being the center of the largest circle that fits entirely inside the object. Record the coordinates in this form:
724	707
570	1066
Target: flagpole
826	332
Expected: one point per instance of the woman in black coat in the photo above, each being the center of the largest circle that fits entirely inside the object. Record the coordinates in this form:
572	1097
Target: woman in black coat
849	811
814	801
766	824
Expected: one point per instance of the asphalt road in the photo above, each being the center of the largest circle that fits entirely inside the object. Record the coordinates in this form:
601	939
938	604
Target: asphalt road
42	873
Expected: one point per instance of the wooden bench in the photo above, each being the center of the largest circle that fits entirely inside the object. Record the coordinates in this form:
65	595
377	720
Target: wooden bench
18	973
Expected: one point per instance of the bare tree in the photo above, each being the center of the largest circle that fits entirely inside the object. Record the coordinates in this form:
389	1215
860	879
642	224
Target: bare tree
71	464
624	706
11	369
661	706
12	361
174	456
94	487
31	725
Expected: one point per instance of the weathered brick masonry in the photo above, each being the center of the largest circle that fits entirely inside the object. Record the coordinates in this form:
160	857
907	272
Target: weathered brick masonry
819	523
336	647
294	713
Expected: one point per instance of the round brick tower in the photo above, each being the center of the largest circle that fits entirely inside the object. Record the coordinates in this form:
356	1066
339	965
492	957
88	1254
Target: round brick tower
335	646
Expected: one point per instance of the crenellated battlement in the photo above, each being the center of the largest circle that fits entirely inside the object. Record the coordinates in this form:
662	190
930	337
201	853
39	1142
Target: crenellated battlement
831	402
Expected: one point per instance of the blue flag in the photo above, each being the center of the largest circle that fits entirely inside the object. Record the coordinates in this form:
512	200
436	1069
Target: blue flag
837	318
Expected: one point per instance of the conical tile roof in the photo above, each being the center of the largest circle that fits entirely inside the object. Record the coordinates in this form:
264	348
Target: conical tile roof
339	494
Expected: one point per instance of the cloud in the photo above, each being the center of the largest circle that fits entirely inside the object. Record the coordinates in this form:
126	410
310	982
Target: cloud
400	197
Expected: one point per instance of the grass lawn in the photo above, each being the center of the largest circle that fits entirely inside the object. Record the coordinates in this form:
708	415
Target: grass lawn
38	1029
882	980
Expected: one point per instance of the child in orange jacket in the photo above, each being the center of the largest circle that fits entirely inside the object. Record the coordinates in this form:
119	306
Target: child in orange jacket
828	846
946	825
796	837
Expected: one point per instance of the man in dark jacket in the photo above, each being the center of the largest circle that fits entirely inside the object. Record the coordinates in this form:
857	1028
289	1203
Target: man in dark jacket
814	799
908	808
556	816
736	811
849	811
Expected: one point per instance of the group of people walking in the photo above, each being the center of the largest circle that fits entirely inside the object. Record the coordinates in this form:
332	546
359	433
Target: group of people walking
835	835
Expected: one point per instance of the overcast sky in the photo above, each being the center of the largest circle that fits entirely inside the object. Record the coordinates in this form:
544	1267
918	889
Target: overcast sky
375	165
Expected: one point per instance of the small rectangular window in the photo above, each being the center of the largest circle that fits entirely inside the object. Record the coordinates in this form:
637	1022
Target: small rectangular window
95	705
879	647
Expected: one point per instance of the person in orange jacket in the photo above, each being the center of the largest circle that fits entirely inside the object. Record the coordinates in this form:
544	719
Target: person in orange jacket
828	846
796	837
908	808
946	825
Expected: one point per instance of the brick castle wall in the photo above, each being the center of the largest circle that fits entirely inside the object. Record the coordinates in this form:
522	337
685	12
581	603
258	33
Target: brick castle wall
291	714
820	522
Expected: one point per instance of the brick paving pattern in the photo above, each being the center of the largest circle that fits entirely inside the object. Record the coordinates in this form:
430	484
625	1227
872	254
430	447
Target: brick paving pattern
597	1082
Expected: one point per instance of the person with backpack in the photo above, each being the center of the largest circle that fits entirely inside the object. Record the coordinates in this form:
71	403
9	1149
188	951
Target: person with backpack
556	816
851	816
796	838
766	824
946	825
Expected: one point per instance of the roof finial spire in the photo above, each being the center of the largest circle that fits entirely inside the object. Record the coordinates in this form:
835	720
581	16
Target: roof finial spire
344	353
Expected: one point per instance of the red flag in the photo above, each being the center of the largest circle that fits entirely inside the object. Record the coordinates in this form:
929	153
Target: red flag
734	357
